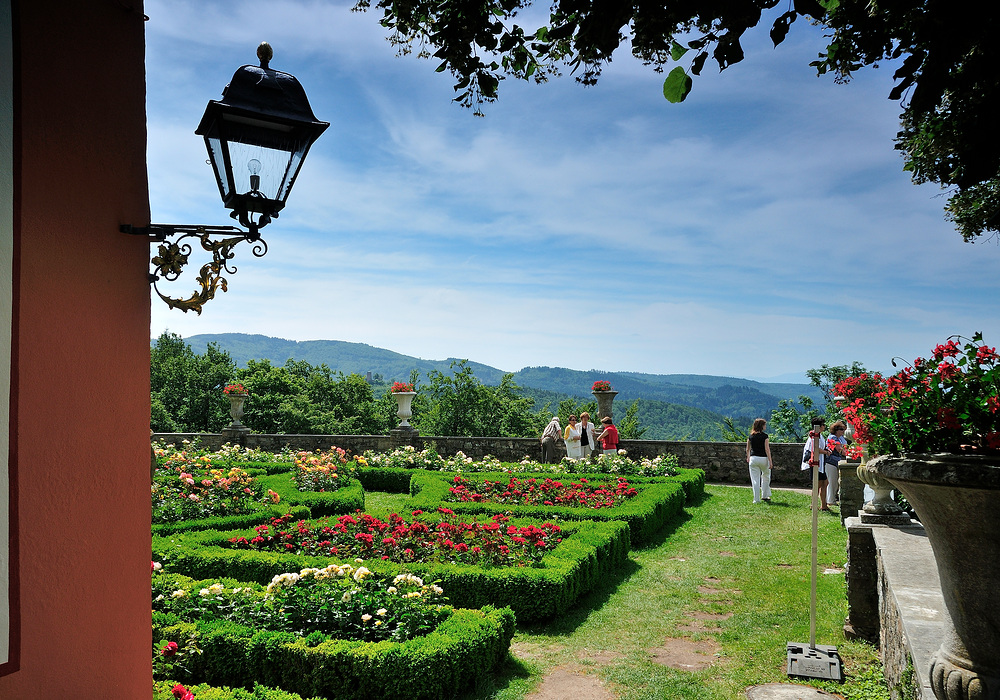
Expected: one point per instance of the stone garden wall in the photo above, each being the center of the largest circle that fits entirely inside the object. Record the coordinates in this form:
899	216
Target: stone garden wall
722	461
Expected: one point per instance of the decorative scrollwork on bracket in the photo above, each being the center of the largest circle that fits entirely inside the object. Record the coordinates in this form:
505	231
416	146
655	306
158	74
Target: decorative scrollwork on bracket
173	256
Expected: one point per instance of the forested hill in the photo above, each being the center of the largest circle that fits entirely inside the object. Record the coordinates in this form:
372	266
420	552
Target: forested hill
728	396
338	355
717	395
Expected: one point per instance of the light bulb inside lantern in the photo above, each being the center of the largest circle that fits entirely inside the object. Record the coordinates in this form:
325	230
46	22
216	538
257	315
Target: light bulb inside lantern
254	167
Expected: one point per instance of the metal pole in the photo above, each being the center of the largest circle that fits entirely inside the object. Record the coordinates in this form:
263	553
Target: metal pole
815	530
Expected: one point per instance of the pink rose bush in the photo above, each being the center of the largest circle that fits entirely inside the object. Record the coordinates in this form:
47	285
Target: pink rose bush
187	488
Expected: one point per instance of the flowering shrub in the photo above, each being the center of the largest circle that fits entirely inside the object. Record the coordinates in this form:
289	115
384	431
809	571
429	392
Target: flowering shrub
398	387
950	402
205	492
233	454
323	471
235	390
601	385
620	463
339	600
409	458
859	401
530	492
447	541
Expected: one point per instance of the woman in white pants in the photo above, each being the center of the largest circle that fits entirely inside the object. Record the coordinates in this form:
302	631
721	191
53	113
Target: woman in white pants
759	459
572	438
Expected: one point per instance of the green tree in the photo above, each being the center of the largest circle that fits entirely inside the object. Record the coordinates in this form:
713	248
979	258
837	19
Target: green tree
732	433
628	427
459	404
788	423
186	388
946	76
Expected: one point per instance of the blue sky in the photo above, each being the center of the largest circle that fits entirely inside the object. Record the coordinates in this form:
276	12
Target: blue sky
760	228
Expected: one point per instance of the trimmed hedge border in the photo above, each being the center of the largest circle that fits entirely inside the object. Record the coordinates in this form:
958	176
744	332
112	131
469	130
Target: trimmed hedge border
589	552
231	521
344	500
462	650
659	499
389	479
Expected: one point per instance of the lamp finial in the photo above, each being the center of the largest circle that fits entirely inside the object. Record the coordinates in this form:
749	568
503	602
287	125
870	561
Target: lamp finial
265	53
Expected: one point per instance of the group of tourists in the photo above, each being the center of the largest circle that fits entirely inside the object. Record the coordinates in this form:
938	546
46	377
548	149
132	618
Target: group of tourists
832	448
583	439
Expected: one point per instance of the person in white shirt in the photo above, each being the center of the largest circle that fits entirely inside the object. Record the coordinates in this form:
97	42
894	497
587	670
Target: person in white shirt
816	461
588	437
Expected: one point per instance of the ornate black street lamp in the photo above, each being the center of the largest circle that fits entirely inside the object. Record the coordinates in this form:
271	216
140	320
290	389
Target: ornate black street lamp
257	136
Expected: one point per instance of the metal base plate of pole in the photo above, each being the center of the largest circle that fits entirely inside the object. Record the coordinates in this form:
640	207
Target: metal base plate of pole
821	661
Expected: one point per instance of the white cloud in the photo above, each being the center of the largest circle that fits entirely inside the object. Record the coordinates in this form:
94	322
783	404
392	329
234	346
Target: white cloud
596	227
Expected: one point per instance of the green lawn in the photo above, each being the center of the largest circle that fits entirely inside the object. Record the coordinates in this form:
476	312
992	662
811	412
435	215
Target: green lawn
727	582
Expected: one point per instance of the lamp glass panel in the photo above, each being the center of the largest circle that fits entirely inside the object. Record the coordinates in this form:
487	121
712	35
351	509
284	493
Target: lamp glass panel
273	166
293	170
218	164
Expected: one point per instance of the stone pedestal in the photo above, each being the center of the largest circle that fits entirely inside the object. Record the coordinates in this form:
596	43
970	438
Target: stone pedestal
852	491
862	583
403	436
236	435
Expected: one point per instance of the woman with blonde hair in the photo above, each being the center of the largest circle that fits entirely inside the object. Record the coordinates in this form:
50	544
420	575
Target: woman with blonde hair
572	438
759	459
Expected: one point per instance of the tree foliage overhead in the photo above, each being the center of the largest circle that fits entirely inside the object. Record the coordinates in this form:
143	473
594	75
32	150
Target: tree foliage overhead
946	77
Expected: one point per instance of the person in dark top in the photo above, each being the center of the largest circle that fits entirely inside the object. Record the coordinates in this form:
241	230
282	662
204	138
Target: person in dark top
759	459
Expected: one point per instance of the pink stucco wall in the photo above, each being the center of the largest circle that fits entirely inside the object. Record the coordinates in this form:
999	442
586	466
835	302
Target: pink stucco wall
82	348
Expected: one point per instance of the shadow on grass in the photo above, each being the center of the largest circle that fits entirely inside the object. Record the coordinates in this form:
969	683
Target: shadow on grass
509	672
669	528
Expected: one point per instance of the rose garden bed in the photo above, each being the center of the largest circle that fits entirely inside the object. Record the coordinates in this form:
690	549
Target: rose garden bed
588	551
656	501
539	572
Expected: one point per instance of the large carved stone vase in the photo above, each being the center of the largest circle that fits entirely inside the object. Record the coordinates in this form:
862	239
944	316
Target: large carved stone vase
956	496
605	403
236	402
404	402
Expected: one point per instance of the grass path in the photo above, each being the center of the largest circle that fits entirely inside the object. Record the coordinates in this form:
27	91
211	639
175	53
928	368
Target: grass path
718	596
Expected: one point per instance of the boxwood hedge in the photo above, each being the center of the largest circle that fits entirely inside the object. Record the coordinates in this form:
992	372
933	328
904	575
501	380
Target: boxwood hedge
344	500
589	551
462	650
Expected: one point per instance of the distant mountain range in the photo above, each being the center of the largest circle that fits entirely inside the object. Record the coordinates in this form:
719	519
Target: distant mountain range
666	398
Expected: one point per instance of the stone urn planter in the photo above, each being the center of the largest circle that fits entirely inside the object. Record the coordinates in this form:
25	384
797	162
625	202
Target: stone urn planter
236	408
605	399
404	401
956	497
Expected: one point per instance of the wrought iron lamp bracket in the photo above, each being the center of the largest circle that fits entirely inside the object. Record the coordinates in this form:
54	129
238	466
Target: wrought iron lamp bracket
172	257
